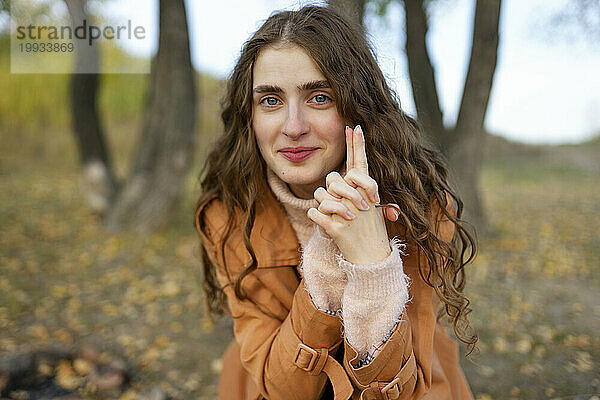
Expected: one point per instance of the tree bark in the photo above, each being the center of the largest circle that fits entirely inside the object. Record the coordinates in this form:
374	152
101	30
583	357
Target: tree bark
149	198
465	152
462	145
97	181
353	10
422	74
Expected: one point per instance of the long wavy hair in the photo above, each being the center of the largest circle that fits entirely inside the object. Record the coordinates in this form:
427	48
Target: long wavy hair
408	171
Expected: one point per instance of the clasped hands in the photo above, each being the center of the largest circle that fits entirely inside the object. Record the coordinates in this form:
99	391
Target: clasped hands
347	211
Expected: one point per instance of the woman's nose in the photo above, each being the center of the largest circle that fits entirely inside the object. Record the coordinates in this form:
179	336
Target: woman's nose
295	124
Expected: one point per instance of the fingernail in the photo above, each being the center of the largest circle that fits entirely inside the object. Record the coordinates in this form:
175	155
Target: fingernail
349	214
364	204
377	199
360	130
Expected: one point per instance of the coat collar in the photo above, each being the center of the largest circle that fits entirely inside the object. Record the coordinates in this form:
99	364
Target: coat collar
273	238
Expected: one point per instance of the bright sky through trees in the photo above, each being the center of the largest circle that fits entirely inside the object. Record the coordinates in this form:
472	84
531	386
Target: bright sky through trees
547	85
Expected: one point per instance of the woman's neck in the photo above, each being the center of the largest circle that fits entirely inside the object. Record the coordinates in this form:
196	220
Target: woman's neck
305	192
286	196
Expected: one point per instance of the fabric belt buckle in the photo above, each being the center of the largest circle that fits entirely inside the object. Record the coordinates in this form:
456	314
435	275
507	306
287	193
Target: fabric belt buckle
300	358
391	391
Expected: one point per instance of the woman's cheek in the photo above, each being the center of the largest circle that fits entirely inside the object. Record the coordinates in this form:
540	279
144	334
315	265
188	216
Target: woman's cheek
259	130
265	126
334	126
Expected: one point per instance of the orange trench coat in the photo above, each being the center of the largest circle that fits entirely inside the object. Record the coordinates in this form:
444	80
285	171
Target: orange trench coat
297	351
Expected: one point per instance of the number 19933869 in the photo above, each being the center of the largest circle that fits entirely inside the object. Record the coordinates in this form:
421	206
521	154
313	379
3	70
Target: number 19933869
46	47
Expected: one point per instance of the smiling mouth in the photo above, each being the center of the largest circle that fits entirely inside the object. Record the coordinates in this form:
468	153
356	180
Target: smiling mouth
297	155
297	149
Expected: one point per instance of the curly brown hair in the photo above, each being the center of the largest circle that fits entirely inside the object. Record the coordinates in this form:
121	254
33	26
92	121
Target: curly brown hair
408	171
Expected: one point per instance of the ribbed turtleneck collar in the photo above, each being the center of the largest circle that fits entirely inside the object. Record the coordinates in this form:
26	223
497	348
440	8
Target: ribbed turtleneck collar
284	194
295	207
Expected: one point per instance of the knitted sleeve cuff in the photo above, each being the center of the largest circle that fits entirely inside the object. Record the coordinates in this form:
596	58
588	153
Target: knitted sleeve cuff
376	280
374	299
324	279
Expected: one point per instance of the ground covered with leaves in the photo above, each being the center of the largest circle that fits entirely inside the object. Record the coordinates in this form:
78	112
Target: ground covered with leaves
67	282
534	285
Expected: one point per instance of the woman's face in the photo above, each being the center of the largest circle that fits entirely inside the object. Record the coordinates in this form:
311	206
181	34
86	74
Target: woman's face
298	129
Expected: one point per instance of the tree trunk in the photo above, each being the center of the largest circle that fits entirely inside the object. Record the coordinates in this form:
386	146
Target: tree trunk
97	180
465	153
353	10
422	75
150	196
463	144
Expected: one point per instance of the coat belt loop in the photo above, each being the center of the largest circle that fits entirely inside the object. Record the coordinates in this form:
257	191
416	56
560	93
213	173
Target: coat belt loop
390	390
316	361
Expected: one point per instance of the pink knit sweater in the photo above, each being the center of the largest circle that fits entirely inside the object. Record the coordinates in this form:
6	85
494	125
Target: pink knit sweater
369	298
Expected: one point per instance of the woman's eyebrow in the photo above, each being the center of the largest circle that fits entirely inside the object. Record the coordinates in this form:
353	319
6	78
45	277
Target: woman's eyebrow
268	89
312	85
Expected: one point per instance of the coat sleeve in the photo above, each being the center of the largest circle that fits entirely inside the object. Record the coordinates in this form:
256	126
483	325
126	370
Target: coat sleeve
287	349
403	367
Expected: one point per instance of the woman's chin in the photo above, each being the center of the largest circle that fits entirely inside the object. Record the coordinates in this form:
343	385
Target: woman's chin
299	176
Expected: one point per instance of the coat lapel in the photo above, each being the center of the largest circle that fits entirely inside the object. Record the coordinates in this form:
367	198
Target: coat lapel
273	238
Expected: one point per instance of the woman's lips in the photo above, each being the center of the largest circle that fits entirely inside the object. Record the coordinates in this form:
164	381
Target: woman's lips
297	156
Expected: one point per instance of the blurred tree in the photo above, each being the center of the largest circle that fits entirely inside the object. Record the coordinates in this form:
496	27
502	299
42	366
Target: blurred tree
463	143
98	182
148	197
353	10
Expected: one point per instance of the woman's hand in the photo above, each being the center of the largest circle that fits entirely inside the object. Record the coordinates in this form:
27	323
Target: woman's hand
357	226
355	179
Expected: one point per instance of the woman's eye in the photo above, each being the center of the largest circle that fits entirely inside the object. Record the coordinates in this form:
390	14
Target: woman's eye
271	101
321	98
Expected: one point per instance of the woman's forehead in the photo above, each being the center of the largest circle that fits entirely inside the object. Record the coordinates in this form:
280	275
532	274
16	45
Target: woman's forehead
288	66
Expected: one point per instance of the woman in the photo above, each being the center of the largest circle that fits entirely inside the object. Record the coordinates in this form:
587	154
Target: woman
328	299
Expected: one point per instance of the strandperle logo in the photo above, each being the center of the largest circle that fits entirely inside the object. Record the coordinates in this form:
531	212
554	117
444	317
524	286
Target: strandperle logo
81	32
82	44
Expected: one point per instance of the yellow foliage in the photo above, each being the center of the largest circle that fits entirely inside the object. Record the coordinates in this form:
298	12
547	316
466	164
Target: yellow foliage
64	336
583	362
82	366
39	332
66	376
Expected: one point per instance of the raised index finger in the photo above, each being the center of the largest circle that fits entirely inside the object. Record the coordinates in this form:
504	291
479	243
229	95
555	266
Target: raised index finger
349	149
360	152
